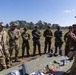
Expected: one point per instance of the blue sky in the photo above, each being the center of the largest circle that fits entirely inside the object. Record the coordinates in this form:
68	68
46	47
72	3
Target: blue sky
51	11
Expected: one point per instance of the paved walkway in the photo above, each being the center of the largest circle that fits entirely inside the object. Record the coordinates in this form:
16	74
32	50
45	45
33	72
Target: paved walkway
36	64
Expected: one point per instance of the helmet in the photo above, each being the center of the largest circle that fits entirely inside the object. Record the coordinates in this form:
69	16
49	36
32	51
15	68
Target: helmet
13	25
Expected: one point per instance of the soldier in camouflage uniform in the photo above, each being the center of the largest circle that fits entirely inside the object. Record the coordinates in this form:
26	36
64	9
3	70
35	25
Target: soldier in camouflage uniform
73	53
58	41
14	35
4	49
36	39
72	43
48	35
67	40
25	37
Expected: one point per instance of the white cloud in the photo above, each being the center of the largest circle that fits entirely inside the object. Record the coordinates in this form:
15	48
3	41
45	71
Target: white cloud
73	10
69	11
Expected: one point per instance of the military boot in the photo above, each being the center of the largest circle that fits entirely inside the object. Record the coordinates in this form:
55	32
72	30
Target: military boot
17	60
8	66
2	67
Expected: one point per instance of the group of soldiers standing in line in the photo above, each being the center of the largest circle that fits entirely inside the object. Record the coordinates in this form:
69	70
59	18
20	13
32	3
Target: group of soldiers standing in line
7	46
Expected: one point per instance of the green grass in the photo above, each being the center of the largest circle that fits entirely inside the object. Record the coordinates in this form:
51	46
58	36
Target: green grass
42	41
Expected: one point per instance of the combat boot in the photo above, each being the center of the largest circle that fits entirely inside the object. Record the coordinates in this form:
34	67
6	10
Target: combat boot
17	60
8	66
55	54
2	67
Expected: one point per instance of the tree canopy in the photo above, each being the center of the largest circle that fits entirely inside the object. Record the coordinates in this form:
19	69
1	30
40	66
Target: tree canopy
30	25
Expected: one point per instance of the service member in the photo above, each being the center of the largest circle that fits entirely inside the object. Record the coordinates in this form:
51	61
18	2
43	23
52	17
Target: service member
4	49
14	35
25	37
67	39
36	39
58	41
73	53
48	35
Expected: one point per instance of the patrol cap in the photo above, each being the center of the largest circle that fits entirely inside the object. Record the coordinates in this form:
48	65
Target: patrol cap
58	27
49	26
1	25
25	28
36	26
13	25
70	27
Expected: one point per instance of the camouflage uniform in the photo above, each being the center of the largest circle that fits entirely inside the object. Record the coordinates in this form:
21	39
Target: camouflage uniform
73	45
73	68
67	40
58	41
36	40
48	35
25	36
4	53
14	35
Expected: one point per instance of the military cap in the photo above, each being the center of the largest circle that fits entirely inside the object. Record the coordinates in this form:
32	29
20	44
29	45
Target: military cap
36	26
58	27
25	28
74	25
49	26
13	25
1	25
70	27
